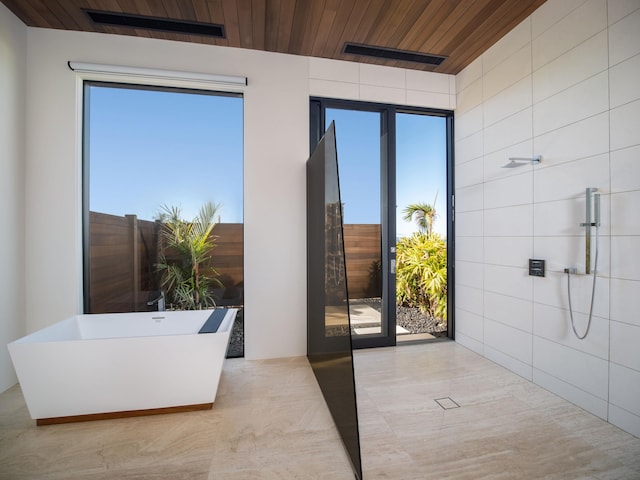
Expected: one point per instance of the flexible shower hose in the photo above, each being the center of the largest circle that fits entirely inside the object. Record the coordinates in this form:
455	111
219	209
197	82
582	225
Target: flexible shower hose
593	291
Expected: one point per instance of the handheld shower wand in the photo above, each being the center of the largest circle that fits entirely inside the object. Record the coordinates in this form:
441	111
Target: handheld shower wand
588	224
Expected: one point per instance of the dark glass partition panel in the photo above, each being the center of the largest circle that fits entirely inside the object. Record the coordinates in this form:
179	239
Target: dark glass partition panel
328	325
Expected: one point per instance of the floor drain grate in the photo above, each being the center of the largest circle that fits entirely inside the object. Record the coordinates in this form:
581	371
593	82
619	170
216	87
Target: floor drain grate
446	403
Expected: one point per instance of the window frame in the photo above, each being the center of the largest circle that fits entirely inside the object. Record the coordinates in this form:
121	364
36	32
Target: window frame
85	97
317	120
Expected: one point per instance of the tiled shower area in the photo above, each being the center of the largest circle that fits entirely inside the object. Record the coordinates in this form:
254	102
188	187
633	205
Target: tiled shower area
563	84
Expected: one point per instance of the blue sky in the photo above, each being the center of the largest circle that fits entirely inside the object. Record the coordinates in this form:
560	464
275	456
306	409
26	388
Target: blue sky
149	148
420	165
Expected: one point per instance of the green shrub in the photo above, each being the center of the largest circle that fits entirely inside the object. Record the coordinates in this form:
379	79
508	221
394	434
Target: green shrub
421	273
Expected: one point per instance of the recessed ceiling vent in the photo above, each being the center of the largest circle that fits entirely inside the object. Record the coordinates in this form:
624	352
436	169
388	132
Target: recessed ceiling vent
155	23
393	54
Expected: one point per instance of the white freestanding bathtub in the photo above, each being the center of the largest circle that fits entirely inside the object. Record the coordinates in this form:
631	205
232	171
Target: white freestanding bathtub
97	366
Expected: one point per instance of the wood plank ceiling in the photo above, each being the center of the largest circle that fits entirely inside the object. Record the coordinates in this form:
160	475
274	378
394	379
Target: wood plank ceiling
461	30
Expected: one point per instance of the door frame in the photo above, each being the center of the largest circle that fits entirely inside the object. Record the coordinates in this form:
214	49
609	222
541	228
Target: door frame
317	120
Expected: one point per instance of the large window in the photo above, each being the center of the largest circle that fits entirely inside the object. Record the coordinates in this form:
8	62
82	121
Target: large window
162	187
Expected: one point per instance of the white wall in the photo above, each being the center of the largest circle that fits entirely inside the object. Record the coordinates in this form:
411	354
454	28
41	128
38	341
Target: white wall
13	49
563	84
276	148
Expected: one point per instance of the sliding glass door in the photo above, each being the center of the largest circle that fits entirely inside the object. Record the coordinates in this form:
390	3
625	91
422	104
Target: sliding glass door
422	219
363	163
393	165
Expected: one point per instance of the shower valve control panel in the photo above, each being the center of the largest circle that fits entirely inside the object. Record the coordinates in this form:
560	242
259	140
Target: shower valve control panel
536	267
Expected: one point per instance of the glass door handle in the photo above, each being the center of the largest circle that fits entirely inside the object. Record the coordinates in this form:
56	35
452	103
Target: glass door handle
392	266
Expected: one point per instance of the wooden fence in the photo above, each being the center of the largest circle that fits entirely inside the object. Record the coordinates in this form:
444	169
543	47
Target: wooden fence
123	253
362	247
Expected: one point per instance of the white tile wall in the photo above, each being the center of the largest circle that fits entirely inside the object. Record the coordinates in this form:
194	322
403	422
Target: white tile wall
468	123
507	340
508	251
378	93
506	192
624	38
470	342
512	99
469	299
470	173
382	76
626	338
334	70
553	323
494	161
333	89
469	324
470	74
625	388
625	301
579	25
375	83
513	343
469	198
507	46
625	214
589	402
621	8
558	218
623	78
624	129
470	97
581	139
519	367
469	148
428	99
584	371
508	221
510	281
570	179
469	273
469	224
578	64
428	82
552	290
625	169
589	97
625	257
511	130
469	248
551	13
510	311
512	70
622	418
563	84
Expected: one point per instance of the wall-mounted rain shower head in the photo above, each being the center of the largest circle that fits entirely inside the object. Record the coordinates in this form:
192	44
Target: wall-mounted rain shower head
520	161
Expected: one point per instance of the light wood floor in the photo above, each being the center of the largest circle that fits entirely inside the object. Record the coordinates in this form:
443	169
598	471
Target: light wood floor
270	422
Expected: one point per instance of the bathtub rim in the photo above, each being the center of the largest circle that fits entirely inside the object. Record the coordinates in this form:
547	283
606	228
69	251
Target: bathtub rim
219	340
75	321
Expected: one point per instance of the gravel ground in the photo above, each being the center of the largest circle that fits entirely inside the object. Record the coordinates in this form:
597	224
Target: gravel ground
412	318
236	342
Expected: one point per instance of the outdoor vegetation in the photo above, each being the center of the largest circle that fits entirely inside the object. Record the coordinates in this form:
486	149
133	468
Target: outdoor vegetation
187	274
421	264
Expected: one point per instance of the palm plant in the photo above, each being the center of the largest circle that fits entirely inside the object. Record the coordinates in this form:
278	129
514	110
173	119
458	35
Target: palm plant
421	273
185	262
424	215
